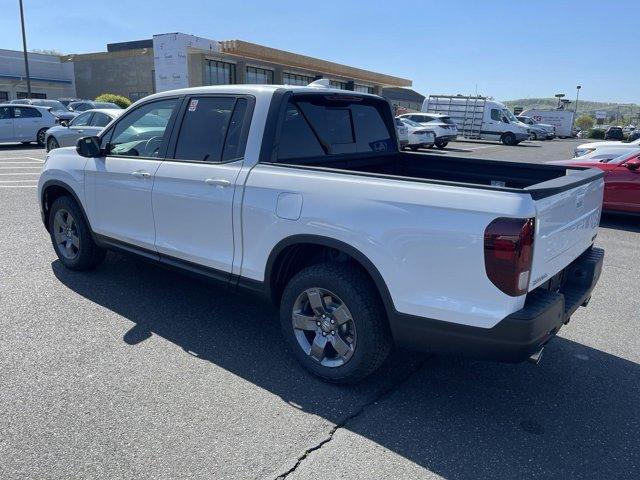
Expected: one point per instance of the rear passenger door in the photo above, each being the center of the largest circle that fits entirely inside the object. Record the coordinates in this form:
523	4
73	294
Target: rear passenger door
26	123
6	124
194	187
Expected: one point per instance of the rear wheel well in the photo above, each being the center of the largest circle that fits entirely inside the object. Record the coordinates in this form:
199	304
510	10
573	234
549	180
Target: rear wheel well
296	257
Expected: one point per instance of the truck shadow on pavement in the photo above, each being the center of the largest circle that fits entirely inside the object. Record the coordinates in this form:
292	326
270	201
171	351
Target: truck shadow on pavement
617	221
575	415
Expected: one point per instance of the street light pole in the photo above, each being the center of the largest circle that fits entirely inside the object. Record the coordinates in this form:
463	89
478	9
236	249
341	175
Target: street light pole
24	49
577	96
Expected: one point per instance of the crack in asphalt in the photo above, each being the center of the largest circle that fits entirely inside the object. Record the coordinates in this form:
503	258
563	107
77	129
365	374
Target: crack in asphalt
376	398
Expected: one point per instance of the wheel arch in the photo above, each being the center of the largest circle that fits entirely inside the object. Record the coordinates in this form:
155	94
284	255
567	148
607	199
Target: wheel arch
276	273
52	190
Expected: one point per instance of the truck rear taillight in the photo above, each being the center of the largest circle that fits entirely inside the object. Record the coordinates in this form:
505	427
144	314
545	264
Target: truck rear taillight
508	253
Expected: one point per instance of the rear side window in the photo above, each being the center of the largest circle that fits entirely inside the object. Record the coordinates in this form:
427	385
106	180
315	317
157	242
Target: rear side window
26	112
81	120
319	125
204	129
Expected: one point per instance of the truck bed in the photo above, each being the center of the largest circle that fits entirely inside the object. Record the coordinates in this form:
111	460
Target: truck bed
538	180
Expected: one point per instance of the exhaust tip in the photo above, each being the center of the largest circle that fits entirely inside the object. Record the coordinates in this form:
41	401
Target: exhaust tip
536	357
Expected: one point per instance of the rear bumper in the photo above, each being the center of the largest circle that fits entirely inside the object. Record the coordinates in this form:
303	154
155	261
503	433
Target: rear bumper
518	335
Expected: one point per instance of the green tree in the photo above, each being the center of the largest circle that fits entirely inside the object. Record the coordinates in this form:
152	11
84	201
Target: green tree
585	122
119	100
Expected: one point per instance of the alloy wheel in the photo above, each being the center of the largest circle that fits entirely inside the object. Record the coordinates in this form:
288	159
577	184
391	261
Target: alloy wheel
65	233
324	327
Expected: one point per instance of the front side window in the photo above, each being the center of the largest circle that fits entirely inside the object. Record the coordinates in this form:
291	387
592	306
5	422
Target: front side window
142	132
259	76
204	129
496	115
25	112
5	113
100	120
81	120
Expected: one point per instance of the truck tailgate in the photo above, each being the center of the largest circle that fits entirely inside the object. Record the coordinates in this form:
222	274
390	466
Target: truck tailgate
566	225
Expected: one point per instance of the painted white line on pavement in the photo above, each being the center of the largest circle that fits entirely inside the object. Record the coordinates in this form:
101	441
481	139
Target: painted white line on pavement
17	181
36	159
20	173
20	163
19	168
18	186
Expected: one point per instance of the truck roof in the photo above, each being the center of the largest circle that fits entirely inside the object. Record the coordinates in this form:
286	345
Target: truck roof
256	90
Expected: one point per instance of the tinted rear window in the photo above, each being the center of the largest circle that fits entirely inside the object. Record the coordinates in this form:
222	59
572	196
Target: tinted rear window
332	125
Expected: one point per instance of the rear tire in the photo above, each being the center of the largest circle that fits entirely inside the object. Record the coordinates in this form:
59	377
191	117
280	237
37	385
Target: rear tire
71	236
40	137
533	136
361	335
441	144
509	139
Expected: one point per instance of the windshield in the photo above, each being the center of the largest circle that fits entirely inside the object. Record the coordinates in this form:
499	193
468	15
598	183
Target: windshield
510	116
526	120
54	104
105	105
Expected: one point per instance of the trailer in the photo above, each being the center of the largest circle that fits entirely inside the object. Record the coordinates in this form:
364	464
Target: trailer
478	117
561	119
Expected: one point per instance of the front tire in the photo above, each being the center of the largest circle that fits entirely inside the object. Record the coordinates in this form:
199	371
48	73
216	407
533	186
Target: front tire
441	144
533	136
509	139
52	144
71	236
334	322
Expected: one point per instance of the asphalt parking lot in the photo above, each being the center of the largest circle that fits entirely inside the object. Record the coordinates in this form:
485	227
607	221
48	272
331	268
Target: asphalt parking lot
131	371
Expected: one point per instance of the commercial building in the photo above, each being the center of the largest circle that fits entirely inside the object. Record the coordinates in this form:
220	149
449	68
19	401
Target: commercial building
50	77
176	60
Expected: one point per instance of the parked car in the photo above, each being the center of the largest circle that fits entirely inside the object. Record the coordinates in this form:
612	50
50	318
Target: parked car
444	128
61	112
539	131
621	179
25	123
419	136
85	105
585	148
478	118
403	133
608	153
633	136
614	133
87	123
67	101
302	194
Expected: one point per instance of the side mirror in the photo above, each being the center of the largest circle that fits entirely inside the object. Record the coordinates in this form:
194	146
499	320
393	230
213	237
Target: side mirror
504	120
633	164
89	147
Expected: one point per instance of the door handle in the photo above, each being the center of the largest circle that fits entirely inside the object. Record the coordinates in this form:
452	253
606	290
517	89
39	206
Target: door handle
141	174
217	182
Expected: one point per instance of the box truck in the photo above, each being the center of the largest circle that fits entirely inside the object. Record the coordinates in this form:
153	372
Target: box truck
561	119
479	117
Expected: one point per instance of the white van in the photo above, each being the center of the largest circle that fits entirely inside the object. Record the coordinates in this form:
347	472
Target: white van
479	118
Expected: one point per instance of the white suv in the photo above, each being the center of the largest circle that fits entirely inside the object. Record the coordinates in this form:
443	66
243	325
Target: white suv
445	129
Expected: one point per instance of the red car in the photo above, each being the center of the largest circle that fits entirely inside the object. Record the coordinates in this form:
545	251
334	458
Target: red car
621	180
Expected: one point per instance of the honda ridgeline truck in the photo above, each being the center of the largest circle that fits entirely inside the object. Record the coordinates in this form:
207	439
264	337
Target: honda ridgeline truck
302	194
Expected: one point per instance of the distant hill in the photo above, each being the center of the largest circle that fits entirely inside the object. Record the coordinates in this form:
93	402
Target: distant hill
584	106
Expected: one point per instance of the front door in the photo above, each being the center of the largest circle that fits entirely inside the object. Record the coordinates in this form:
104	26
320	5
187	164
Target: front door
194	190
118	185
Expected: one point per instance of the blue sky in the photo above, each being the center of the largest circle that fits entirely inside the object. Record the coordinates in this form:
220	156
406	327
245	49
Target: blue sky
508	48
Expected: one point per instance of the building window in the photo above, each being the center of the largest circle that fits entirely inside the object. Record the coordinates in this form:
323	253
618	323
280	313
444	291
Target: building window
4	96
363	88
219	73
295	79
135	96
259	76
21	95
338	84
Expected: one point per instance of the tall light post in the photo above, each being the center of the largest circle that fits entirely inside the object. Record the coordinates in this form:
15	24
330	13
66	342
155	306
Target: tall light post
577	96
24	49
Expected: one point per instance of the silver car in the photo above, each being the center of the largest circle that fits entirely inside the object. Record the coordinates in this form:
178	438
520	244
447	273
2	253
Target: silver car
86	124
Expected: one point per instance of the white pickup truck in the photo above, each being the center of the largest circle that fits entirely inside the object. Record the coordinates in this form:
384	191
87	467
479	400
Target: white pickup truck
302	194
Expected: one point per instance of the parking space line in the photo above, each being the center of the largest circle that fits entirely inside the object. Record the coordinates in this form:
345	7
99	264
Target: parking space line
17	181
18	186
21	173
20	163
18	158
20	168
